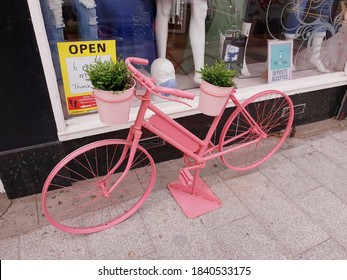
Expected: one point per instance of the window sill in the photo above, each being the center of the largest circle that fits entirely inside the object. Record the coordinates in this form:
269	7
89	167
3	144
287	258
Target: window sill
303	81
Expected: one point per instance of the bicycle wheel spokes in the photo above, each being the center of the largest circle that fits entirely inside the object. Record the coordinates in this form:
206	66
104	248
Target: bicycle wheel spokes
73	197
272	111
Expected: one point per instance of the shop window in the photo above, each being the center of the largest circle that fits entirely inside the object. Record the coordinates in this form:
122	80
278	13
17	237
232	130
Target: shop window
190	33
312	25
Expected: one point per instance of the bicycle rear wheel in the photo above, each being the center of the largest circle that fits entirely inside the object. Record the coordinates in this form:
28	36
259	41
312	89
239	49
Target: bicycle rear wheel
273	112
73	197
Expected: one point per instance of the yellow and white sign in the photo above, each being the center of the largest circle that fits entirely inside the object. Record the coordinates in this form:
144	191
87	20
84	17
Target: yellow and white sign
73	56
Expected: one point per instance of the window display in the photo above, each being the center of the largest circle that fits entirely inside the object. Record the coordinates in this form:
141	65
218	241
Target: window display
191	33
311	21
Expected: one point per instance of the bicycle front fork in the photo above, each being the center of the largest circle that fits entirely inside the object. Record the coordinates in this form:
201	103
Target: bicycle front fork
134	137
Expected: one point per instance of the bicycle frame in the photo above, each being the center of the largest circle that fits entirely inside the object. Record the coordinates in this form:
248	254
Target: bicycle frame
202	153
190	191
180	137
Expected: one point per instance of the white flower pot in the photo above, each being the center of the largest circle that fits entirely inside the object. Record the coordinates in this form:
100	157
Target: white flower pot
114	107
212	98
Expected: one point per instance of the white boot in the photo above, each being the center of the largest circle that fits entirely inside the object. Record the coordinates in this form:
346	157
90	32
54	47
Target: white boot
290	37
315	58
246	27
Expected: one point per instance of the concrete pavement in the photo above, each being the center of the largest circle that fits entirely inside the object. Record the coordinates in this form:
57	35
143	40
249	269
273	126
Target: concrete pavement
292	207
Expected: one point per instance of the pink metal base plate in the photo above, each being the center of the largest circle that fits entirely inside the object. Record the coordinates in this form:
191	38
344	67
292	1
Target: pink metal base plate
195	204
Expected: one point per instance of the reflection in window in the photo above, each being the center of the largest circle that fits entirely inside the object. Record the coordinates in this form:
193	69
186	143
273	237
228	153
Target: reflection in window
311	24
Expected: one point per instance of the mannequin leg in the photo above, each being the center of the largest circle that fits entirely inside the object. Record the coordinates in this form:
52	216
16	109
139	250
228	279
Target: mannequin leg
296	13
288	37
54	24
161	26
197	34
315	58
245	29
196	31
86	14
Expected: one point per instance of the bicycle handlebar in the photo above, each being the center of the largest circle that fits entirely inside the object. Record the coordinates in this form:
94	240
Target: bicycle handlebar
136	60
148	82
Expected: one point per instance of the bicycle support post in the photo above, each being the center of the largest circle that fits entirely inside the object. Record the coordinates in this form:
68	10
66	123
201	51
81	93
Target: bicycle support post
195	199
191	193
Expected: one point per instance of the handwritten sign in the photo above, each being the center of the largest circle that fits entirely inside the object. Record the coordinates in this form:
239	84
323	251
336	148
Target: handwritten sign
73	57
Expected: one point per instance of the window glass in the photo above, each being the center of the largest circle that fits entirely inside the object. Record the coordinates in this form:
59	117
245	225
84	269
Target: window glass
190	33
313	25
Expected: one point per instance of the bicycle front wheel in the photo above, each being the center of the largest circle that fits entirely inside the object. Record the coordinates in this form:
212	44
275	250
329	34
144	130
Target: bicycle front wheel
73	196
273	112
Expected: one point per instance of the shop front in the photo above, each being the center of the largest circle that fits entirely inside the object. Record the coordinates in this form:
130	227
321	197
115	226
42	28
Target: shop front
297	47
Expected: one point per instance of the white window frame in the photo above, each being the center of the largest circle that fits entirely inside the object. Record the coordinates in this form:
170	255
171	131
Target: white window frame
87	125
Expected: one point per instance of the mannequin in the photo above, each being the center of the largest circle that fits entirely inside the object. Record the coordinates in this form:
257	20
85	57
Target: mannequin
296	26
196	31
163	72
245	30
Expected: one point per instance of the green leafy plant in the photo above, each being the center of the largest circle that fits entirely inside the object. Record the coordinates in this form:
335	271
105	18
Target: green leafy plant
109	75
218	75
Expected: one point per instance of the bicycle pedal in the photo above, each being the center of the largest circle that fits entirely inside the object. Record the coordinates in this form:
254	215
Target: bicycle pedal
185	177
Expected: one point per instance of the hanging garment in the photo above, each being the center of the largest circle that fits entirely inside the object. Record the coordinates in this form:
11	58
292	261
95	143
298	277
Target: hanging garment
130	23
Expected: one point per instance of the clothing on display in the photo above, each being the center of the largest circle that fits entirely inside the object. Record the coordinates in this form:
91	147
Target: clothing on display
84	11
311	21
130	23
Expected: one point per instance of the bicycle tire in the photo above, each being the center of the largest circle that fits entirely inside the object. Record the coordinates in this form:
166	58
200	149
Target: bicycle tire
273	111
72	196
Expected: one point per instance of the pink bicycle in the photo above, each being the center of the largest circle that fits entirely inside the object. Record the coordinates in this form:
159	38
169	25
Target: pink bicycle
103	183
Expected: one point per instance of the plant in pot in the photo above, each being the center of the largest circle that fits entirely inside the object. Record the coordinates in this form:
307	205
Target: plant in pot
113	89
217	83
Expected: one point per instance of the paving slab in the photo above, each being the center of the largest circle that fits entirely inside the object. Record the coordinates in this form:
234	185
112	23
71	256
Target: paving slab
297	151
341	136
325	171
9	248
169	229
287	176
327	210
127	240
5	203
48	243
285	222
167	172
245	239
177	245
332	148
232	208
327	250
21	216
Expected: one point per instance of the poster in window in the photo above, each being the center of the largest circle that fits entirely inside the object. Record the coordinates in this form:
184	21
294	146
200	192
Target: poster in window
280	55
73	56
232	47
